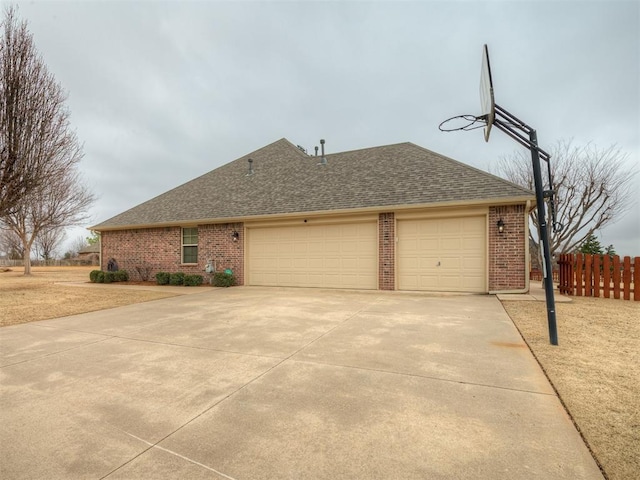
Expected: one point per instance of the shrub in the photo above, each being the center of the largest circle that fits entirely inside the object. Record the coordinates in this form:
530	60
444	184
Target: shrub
93	275
162	278
176	278
109	277
222	279
100	277
121	276
192	280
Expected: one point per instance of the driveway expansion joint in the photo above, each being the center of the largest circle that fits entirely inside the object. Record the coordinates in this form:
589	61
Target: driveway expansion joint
427	377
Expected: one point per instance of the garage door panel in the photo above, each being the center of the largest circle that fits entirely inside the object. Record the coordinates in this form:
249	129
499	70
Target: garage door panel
335	256
444	254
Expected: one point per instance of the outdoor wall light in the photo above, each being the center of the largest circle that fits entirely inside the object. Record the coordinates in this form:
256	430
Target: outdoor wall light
500	226
235	236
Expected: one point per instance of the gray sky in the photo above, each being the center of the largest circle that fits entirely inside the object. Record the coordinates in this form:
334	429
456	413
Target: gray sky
162	92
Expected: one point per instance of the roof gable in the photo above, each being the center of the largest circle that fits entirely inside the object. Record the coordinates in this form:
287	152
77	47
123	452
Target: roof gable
286	180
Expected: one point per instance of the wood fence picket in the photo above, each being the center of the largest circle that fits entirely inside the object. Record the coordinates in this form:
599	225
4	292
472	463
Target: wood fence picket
597	275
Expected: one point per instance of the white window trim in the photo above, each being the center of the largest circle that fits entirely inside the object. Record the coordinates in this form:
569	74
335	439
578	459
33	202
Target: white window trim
187	245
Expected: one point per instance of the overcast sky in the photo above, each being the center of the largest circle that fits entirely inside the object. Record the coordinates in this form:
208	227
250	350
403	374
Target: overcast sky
162	92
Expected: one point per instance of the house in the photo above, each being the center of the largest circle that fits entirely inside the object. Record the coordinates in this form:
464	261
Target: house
395	217
89	255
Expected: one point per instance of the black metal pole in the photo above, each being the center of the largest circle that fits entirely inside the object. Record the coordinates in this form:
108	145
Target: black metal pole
547	270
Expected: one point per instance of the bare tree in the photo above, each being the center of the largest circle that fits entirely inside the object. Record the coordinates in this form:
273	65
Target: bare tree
62	202
48	241
77	245
593	185
34	128
11	244
29	99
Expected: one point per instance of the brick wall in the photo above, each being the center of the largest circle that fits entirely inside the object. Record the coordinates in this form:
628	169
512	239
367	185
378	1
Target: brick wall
386	251
216	242
161	249
507	262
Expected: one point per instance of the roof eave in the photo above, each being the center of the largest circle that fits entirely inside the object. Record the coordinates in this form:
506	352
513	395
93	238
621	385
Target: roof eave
346	211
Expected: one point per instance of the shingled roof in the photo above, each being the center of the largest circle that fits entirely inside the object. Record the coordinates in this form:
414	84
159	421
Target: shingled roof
286	180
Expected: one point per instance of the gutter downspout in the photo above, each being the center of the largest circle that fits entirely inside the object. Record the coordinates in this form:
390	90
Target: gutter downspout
527	281
100	255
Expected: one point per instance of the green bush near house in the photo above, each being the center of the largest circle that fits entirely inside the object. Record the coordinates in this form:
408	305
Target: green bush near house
162	278
222	279
99	276
176	278
121	276
192	280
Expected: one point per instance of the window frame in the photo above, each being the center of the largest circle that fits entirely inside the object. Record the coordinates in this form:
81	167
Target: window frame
190	245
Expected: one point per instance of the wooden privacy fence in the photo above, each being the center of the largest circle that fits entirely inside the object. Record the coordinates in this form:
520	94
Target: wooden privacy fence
599	275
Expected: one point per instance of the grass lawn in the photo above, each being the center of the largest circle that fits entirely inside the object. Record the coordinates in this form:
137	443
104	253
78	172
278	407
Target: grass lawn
43	294
596	371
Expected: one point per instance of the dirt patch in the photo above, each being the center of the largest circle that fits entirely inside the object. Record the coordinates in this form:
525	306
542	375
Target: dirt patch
594	370
37	297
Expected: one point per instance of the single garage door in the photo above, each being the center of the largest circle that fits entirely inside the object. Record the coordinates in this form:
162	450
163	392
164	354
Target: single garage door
334	256
443	254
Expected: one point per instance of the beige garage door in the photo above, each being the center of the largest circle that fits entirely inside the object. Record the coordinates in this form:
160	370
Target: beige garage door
334	256
444	254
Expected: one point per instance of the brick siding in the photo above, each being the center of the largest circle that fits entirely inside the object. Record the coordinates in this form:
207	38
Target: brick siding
507	262
386	251
160	249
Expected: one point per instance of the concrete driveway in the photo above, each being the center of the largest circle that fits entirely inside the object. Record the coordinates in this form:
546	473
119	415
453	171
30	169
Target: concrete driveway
265	383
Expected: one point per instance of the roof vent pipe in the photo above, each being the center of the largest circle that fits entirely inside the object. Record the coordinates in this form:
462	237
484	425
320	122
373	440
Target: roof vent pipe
316	147
250	167
323	160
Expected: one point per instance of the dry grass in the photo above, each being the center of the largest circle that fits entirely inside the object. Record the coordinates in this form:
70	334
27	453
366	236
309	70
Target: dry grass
595	370
37	297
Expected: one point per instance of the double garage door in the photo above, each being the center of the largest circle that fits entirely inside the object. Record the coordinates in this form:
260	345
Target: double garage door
445	254
334	256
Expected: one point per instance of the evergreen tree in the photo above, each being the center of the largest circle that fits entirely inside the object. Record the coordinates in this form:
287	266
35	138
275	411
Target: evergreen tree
591	246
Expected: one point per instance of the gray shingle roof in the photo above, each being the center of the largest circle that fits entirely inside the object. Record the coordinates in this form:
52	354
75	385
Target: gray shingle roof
286	180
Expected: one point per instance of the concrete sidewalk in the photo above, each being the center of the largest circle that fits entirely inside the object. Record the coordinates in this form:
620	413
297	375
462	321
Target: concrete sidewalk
536	293
250	383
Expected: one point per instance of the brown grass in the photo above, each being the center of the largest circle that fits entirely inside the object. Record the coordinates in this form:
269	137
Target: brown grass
595	370
37	297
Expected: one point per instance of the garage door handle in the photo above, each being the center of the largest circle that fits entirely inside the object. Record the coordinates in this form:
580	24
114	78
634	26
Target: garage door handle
438	264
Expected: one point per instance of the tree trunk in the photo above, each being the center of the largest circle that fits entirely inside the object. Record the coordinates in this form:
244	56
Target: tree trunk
27	261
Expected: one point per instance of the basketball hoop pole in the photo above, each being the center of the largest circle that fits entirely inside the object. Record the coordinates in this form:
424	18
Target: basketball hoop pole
516	129
493	114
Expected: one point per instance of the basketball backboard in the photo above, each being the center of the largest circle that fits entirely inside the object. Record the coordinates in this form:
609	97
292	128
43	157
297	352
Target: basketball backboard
487	101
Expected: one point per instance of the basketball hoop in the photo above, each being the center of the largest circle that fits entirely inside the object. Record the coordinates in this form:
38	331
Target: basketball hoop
463	122
487	105
494	115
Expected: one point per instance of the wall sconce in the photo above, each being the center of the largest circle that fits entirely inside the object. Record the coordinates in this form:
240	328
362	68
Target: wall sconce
500	226
235	236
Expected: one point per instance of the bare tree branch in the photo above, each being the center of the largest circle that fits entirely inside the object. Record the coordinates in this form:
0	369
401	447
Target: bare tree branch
10	244
48	241
593	185
41	187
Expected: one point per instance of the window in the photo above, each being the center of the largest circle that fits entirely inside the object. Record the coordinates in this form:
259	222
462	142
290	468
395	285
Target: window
189	245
